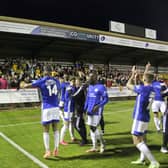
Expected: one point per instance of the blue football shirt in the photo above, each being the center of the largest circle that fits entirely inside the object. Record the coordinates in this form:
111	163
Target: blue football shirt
158	88
69	105
141	108
50	88
63	89
96	95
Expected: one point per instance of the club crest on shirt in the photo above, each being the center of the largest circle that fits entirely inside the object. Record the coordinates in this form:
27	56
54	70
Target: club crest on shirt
96	90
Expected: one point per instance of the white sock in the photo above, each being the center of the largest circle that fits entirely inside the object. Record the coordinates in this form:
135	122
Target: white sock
93	138
157	123
56	139
99	136
63	131
71	130
142	156
46	139
61	115
145	150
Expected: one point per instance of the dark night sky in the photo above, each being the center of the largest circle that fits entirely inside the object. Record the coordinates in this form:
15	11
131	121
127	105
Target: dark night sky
93	14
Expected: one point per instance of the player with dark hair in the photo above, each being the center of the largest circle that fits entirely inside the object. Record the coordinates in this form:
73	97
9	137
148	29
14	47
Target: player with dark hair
158	105
165	125
79	97
69	108
64	83
96	98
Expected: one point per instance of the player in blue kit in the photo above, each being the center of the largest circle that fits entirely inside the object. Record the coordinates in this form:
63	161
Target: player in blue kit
69	107
96	98
49	88
141	116
158	105
64	83
165	124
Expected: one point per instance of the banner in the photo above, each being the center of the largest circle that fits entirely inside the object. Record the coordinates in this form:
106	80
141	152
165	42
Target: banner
31	29
83	36
8	96
132	43
50	31
17	27
46	31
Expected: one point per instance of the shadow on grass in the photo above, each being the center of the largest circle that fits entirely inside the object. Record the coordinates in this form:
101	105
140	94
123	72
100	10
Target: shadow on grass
111	122
154	147
154	132
118	141
118	152
164	164
109	153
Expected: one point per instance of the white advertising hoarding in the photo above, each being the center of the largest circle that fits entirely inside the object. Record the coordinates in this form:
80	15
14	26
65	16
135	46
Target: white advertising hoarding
132	43
8	96
120	92
16	27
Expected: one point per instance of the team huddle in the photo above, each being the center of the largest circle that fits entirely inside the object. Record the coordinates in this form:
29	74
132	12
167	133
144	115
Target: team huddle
60	99
70	99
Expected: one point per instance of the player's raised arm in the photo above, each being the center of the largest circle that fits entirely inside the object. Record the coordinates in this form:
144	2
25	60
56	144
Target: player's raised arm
130	83
148	65
25	85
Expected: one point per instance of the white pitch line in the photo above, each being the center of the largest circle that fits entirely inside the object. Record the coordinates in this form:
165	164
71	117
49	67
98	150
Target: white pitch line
18	124
31	157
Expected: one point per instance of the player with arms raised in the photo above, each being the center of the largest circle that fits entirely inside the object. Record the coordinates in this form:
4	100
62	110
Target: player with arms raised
141	116
49	88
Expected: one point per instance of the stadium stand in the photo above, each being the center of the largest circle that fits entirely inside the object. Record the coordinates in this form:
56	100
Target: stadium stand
15	70
29	47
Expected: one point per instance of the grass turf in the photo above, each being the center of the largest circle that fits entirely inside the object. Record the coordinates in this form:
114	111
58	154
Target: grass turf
24	128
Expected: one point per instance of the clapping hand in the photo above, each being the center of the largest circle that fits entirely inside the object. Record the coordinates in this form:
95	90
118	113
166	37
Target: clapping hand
95	108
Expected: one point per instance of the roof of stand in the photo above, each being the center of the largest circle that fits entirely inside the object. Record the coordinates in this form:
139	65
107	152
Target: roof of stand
29	38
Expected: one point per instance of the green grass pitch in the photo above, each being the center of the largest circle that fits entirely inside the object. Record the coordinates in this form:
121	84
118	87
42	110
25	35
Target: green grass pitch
23	127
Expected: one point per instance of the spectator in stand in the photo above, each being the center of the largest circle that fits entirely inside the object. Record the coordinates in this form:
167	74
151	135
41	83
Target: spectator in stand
3	82
15	82
35	67
109	82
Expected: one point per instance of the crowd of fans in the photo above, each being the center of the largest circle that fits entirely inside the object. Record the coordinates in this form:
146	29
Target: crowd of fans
12	71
